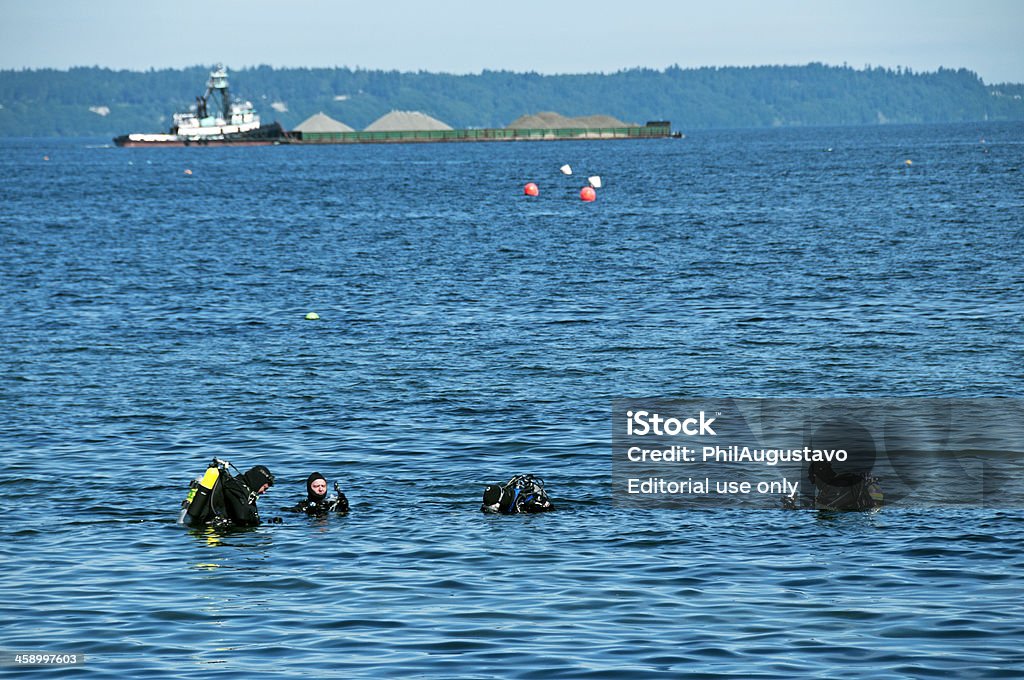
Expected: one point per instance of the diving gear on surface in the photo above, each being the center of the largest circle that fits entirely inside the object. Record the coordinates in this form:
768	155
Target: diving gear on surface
196	506
521	494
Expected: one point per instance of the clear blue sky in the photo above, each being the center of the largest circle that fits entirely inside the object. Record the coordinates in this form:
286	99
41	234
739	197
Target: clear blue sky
547	36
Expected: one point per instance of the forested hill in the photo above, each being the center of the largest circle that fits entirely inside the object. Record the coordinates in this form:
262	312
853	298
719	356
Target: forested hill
98	101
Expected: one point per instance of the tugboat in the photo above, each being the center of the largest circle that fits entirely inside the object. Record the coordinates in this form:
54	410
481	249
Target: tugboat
235	123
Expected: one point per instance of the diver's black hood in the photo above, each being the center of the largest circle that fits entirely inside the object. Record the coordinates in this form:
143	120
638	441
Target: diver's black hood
257	477
310	494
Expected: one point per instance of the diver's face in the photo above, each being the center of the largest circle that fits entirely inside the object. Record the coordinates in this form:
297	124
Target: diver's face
263	489
319	487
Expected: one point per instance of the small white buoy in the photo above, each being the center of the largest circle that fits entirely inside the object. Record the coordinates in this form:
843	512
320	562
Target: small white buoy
595	181
566	169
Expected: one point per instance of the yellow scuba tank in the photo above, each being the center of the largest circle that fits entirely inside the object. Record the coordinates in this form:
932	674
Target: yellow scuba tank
198	499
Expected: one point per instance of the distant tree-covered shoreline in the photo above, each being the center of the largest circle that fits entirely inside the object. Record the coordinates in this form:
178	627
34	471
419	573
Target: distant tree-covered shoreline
85	101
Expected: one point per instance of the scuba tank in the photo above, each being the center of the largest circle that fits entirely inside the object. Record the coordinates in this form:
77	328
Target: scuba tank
192	486
196	504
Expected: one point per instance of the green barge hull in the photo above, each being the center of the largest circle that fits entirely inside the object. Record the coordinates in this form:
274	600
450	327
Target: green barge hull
652	130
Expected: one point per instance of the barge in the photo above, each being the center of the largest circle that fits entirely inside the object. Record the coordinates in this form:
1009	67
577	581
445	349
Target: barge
217	120
652	130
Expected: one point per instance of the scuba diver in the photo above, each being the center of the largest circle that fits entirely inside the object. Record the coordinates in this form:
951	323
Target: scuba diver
853	487
220	500
241	493
316	503
522	494
843	491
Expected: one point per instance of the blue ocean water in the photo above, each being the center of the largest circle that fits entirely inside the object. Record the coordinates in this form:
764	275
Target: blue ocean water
153	319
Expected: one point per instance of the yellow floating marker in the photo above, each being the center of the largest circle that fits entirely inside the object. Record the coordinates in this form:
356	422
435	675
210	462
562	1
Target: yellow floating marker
312	316
909	162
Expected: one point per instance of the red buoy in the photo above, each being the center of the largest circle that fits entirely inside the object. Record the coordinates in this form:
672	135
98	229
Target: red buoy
587	194
531	189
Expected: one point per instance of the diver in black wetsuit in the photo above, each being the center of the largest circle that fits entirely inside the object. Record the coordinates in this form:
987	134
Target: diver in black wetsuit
843	491
219	500
522	494
316	503
854	487
240	494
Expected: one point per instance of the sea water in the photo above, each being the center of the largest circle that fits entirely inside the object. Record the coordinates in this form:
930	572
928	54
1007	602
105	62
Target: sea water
152	319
